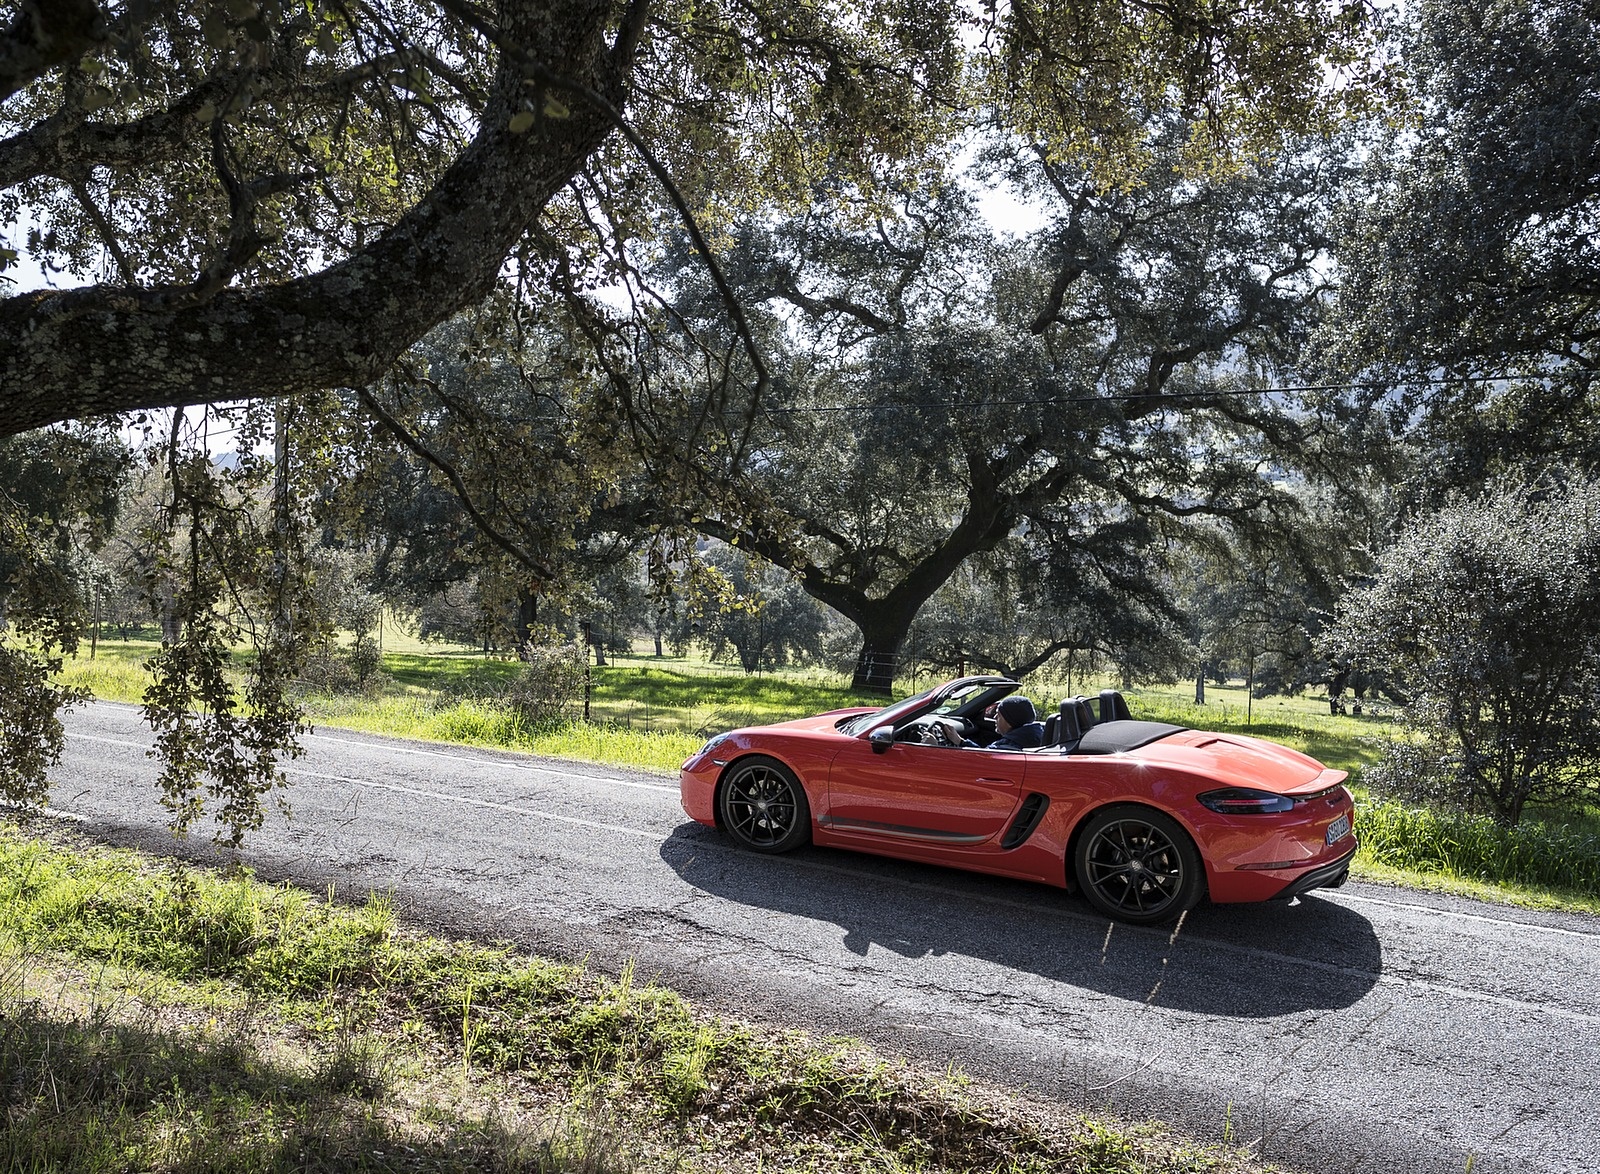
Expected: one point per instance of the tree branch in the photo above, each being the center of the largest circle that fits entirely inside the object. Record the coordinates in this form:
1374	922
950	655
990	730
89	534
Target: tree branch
61	146
45	35
86	352
108	235
406	437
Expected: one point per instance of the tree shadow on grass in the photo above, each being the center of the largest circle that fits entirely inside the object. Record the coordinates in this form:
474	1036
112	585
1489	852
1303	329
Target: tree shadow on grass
84	1092
461	673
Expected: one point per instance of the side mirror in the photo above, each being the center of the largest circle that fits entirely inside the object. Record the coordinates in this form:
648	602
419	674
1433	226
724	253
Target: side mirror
881	739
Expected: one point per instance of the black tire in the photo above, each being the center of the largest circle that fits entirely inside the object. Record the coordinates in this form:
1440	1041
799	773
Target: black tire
763	806
1137	865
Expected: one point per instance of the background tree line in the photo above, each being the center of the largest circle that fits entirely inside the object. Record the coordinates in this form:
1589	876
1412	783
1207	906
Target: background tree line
687	322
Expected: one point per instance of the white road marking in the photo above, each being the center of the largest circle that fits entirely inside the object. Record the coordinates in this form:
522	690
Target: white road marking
442	796
1033	909
47	812
1394	980
477	760
564	775
126	708
1338	897
470	801
107	741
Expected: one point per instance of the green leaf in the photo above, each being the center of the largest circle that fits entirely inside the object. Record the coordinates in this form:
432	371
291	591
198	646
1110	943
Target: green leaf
554	107
521	122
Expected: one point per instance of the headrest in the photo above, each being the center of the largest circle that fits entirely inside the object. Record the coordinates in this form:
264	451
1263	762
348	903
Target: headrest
1113	708
1070	730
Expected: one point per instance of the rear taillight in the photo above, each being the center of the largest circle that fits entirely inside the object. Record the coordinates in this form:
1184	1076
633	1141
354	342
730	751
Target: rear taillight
1244	801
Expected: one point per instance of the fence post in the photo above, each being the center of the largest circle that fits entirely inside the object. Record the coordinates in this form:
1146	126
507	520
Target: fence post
588	684
1250	692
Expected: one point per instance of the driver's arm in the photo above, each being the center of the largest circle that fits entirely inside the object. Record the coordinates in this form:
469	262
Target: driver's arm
944	731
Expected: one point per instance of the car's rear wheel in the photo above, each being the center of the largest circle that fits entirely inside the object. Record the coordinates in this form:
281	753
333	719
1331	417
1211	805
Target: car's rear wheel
1137	865
763	806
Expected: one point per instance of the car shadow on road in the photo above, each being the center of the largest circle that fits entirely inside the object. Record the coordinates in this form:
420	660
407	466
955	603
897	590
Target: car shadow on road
1246	961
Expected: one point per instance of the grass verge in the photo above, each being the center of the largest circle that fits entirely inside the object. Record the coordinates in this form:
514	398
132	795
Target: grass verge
159	1017
1542	862
482	722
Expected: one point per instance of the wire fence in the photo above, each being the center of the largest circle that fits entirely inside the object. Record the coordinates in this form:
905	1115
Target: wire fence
634	662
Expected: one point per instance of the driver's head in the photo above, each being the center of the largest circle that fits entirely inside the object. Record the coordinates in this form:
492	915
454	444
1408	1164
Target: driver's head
1013	712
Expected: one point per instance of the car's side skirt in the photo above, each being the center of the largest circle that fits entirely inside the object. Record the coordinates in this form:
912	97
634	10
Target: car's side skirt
899	831
1021	864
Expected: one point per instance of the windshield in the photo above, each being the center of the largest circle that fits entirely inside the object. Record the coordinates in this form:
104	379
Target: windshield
863	722
944	699
959	698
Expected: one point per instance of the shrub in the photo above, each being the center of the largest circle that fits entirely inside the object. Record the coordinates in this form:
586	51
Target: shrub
1488	612
364	658
1424	839
31	735
334	672
550	686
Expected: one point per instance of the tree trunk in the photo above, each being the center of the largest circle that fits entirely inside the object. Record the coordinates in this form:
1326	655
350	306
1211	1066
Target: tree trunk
1250	692
879	660
283	520
171	621
874	669
1200	685
527	616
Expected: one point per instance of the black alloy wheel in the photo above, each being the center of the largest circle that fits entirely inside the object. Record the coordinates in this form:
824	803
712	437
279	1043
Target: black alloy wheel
763	806
1137	865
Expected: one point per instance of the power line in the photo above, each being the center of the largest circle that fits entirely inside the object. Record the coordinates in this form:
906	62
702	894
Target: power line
1134	396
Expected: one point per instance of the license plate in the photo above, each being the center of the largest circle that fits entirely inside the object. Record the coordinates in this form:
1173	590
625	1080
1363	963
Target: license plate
1338	829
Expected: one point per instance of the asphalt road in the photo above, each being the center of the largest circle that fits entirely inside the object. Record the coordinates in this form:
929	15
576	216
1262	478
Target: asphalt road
1368	1029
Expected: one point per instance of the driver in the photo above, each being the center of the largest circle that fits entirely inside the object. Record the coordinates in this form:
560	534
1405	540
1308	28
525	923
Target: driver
1018	725
1015	720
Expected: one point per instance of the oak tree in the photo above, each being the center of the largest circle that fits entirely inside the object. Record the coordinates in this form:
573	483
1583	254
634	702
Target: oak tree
936	391
258	198
251	200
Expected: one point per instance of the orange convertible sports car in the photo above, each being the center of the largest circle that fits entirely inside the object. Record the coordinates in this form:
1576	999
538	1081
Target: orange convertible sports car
1143	818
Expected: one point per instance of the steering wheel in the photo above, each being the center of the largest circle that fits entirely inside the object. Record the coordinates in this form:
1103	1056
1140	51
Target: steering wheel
941	731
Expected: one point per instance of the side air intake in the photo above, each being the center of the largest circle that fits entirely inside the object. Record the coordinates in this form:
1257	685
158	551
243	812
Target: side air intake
1028	817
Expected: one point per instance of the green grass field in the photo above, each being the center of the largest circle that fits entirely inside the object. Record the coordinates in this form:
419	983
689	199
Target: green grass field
650	714
158	1017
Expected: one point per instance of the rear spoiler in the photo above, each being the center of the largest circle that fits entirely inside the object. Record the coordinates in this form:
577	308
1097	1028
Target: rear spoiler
1326	781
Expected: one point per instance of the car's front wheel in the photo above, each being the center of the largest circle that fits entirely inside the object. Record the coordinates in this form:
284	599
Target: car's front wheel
1137	865
763	806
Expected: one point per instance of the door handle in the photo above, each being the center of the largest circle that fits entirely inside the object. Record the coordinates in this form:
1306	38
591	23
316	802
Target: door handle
998	782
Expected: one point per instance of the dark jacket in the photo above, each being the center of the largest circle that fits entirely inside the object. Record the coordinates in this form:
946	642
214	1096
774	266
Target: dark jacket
1020	738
